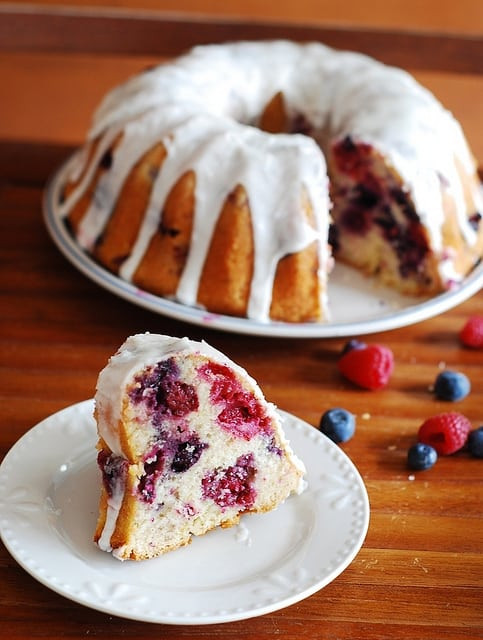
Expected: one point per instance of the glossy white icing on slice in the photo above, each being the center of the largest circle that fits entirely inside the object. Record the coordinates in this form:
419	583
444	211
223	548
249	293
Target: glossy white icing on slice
136	354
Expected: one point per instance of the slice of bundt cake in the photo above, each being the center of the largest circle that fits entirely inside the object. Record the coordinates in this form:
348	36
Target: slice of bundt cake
187	443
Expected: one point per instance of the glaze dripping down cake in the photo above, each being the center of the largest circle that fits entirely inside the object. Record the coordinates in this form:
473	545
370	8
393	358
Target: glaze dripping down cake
214	180
187	443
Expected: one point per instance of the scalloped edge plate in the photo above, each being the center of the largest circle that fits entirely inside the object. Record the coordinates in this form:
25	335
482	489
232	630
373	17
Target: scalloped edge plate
49	487
357	304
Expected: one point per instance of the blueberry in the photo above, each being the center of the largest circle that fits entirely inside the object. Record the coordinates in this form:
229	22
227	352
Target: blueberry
352	344
187	454
452	386
475	442
421	456
338	424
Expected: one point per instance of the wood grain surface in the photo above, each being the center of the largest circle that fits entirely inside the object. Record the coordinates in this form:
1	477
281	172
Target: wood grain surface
419	574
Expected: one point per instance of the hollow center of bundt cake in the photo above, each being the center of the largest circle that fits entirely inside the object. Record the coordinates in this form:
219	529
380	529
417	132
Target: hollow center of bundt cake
368	198
232	486
241	414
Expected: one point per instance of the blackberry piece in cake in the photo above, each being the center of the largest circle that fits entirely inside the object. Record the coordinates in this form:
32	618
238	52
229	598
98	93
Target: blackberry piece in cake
187	443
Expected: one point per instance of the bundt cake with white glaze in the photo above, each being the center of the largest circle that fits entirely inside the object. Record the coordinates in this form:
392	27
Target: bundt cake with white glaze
187	443
209	180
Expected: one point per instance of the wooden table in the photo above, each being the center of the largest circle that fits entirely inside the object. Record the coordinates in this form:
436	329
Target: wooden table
419	573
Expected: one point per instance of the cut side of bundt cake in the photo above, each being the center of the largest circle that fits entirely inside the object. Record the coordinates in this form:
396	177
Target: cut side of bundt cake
418	230
377	228
187	443
213	180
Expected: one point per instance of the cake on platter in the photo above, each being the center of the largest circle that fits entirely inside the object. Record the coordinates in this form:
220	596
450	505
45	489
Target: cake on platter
230	179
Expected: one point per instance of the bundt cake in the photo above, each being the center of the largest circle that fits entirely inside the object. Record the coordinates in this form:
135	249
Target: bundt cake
209	180
187	443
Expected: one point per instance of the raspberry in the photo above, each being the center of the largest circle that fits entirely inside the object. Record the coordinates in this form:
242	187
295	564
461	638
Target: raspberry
368	366
163	393
178	398
233	486
445	432
451	386
471	335
240	412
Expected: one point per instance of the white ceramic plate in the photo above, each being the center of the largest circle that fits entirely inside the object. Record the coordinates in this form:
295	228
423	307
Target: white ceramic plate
49	488
357	304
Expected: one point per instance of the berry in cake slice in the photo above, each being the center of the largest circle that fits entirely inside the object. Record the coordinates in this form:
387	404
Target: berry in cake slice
187	443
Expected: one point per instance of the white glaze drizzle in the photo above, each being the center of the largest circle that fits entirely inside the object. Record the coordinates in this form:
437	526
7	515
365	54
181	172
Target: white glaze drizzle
202	105
114	503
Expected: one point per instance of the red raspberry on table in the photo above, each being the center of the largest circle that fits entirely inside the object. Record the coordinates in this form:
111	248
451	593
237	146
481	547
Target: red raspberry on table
471	335
368	366
445	432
